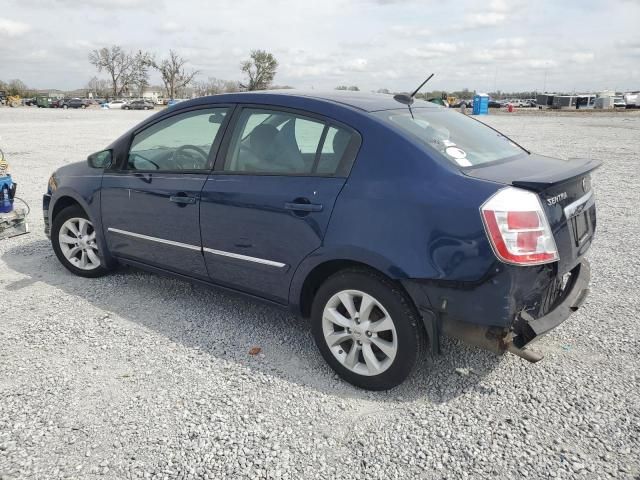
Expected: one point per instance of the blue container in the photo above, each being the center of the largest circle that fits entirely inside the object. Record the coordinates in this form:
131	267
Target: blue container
6	196
481	104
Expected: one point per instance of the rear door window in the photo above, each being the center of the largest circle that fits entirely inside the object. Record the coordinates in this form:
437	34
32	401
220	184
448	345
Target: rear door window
284	143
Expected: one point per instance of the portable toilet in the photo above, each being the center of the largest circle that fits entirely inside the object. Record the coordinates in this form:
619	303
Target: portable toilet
480	104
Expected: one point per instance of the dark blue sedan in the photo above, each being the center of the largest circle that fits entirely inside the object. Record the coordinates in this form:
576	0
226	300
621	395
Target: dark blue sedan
386	224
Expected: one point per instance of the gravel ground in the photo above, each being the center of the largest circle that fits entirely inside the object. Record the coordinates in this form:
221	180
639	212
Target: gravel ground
138	376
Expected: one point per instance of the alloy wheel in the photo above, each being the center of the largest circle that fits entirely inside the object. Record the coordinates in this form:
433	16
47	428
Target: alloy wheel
359	332
77	239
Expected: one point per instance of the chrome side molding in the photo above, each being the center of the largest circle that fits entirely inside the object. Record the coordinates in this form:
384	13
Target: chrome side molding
212	251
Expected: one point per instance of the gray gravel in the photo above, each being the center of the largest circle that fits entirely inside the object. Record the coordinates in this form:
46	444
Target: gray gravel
138	376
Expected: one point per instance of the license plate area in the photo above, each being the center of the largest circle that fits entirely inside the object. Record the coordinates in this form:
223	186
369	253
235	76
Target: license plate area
580	225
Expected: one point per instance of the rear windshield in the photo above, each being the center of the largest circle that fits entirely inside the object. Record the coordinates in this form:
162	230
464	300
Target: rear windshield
461	139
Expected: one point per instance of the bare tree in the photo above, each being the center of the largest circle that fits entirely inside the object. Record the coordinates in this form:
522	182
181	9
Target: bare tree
352	88
173	73
125	69
99	87
260	70
214	86
17	87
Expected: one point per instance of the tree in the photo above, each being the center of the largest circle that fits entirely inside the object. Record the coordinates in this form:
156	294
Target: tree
17	87
99	87
173	73
213	86
125	69
260	70
352	88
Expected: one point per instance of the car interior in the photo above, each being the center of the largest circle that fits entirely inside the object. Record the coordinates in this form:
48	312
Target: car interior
283	143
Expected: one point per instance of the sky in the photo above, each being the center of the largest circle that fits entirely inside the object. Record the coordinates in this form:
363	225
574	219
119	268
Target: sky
508	45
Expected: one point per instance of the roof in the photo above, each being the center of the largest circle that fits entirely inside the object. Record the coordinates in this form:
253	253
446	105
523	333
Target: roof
368	102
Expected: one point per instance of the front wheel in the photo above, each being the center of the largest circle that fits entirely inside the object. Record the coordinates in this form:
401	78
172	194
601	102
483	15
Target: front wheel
367	329
74	243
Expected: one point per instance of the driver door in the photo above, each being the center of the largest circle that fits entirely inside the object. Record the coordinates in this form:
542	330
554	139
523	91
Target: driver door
151	204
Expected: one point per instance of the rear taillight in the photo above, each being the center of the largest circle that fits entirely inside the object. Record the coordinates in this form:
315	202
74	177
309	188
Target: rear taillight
518	228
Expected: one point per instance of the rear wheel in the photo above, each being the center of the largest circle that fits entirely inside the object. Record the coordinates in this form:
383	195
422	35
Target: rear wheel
367	329
74	242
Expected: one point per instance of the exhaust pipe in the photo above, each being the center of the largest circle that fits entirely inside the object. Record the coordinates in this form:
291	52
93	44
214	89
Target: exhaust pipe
494	339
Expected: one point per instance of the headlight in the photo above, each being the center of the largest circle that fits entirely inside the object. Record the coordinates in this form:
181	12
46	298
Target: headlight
52	185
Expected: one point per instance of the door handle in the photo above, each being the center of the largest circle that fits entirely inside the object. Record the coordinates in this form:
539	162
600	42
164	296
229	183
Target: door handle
303	207
182	199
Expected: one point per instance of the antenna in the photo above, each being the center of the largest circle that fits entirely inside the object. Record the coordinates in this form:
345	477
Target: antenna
408	99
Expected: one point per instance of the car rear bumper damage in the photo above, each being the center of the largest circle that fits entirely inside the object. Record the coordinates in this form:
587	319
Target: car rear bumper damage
558	301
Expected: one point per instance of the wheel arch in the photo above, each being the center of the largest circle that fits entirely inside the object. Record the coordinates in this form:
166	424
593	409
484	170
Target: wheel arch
319	266
65	197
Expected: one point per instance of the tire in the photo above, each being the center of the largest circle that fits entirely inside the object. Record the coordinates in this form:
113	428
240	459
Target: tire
64	107
402	334
87	250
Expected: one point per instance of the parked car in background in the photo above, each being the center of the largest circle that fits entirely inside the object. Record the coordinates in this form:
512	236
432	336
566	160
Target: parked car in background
57	102
29	102
76	103
387	226
173	101
139	105
116	104
495	104
44	101
618	102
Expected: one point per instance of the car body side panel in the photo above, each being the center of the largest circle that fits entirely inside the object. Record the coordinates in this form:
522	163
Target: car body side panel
82	183
246	215
400	200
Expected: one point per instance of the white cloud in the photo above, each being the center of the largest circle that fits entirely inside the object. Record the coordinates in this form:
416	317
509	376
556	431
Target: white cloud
486	19
514	42
11	28
582	57
170	27
357	64
496	54
433	50
410	31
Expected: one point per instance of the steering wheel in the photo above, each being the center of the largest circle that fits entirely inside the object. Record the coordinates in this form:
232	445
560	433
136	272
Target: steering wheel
195	164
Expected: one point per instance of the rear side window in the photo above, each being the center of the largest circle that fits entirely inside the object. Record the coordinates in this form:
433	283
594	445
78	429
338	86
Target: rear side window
180	142
462	140
283	143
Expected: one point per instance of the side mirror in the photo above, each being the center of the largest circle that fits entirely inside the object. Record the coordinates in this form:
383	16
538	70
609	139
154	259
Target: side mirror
100	159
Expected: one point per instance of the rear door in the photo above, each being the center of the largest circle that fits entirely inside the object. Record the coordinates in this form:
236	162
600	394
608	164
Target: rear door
150	205
268	203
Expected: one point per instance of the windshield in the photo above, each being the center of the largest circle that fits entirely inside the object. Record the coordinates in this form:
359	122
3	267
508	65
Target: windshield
462	140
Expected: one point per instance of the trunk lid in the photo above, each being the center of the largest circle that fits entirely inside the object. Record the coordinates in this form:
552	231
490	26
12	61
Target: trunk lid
564	188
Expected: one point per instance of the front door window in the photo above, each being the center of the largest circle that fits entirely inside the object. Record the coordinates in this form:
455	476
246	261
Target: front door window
180	142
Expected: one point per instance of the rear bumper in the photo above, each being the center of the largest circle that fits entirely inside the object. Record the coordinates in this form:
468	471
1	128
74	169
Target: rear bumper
549	307
527	329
